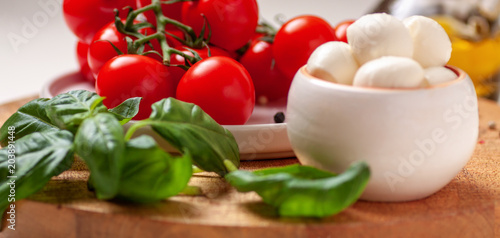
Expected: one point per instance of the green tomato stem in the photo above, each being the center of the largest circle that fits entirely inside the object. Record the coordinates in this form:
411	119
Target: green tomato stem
133	15
129	28
176	1
122	29
186	56
160	28
165	48
145	39
163	20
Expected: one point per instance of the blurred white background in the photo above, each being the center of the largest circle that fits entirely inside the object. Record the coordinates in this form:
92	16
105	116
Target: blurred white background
36	46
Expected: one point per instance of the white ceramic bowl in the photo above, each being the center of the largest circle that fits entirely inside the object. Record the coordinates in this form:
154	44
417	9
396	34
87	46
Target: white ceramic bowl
415	141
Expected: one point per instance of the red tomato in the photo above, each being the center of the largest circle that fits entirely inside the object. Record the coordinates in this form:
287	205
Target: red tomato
341	30
232	22
176	59
297	39
85	18
127	76
173	11
270	83
81	55
221	87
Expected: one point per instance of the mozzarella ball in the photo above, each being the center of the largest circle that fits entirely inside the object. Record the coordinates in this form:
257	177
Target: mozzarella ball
333	61
379	34
438	75
390	72
431	44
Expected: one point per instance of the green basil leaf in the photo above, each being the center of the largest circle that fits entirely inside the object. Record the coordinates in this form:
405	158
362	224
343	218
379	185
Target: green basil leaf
126	110
188	128
100	143
151	174
297	190
32	161
29	118
68	110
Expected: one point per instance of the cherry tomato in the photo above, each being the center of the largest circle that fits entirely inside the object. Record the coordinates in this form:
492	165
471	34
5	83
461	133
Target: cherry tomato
127	76
81	55
341	30
232	22
297	39
85	18
221	87
270	83
176	59
101	49
173	11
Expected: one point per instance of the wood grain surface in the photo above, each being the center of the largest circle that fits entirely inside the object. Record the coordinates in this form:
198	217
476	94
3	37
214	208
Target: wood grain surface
467	207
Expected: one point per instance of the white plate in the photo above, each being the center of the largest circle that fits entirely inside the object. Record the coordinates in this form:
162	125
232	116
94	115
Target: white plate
259	138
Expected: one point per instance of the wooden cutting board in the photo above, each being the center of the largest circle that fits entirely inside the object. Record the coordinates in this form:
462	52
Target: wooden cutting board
467	207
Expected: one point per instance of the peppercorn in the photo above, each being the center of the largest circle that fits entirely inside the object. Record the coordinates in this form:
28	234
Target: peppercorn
279	117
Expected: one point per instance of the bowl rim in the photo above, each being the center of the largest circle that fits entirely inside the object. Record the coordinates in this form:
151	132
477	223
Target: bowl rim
461	76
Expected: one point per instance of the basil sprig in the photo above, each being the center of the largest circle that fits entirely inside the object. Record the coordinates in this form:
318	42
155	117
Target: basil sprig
50	132
297	190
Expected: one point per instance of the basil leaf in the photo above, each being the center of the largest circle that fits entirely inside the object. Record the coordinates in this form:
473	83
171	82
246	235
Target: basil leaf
38	157
100	143
29	118
126	110
297	190
150	174
188	128
68	110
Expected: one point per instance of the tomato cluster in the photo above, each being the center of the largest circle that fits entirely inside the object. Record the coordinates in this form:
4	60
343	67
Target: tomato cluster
209	52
